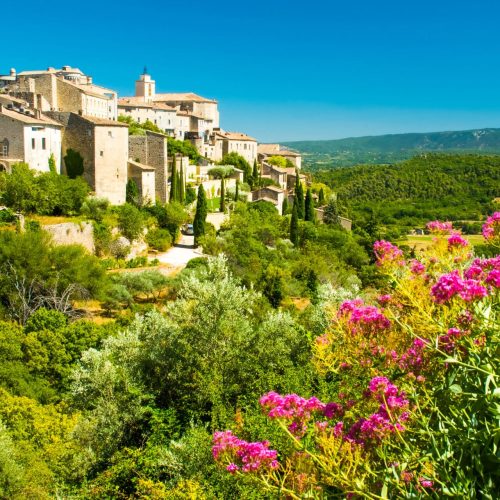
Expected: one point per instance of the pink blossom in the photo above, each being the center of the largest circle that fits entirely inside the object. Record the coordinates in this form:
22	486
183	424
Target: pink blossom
425	483
455	240
438	227
413	357
384	299
364	318
449	285
338	429
491	227
447	341
493	278
252	456
417	267
386	252
333	410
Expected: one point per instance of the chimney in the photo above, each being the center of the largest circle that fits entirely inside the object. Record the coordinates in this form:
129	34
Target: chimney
13	72
38	103
38	114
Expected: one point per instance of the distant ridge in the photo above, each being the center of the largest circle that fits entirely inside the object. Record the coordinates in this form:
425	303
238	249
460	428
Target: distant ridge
394	147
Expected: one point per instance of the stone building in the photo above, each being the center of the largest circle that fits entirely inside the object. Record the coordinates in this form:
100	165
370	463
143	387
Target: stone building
151	150
103	146
161	115
272	194
229	142
265	151
28	136
144	177
66	90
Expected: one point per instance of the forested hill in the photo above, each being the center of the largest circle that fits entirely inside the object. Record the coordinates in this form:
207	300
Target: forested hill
455	187
394	148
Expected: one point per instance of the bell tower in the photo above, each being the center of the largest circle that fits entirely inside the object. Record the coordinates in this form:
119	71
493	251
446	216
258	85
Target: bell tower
145	87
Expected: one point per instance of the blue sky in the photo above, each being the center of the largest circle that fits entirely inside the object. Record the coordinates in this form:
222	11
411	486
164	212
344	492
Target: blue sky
284	70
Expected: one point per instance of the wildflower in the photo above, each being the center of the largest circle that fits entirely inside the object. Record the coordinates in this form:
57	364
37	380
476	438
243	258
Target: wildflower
438	227
333	410
493	278
384	299
447	341
367	318
386	253
455	240
425	483
417	267
253	456
491	228
449	285
413	357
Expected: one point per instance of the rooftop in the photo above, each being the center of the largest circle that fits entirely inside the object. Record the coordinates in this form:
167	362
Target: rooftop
28	119
235	136
182	97
103	121
138	102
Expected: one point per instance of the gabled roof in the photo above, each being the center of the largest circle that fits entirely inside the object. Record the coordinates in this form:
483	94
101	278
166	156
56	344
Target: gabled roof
138	102
234	136
141	166
29	119
102	121
182	96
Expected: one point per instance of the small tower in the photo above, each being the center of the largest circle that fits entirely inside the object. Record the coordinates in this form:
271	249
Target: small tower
145	87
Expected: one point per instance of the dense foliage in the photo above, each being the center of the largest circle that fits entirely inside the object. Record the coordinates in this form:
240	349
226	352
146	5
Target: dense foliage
451	187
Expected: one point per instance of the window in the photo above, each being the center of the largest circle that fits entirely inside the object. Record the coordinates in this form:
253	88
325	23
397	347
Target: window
101	153
110	133
4	150
33	143
44	143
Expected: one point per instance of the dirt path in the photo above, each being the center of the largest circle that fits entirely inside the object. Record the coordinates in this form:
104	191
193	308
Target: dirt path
181	253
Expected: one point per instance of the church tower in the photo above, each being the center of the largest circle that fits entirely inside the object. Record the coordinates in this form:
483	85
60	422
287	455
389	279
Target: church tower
145	87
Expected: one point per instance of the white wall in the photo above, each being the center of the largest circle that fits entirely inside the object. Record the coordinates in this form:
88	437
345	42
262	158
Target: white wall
38	157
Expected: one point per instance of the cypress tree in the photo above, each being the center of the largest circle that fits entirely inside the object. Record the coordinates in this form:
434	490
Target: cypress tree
173	182
284	206
321	198
294	226
309	207
200	215
182	191
237	191
222	195
255	173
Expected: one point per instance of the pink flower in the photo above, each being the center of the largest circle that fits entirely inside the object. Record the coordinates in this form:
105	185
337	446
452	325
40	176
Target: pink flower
491	228
493	278
455	240
417	267
368	319
438	227
333	410
386	252
425	483
412	359
251	456
384	299
449	285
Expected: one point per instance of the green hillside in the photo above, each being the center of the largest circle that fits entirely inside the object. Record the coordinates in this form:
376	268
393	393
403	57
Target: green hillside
427	187
394	148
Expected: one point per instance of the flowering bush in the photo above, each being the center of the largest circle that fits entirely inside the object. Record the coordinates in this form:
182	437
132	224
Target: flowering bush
411	384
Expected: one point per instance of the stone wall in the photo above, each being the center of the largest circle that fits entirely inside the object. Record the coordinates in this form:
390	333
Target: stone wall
70	233
13	131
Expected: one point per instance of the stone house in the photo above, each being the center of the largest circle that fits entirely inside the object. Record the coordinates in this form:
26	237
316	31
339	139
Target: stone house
144	177
162	115
28	136
152	150
229	142
265	151
66	90
344	222
276	174
272	194
103	146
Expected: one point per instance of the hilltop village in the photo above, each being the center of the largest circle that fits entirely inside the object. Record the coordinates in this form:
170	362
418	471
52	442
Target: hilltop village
61	114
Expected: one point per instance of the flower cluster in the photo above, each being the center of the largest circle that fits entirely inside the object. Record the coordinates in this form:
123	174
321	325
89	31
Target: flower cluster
491	228
387	420
292	407
413	358
387	253
455	240
416	267
486	270
447	341
368	319
452	284
244	456
438	227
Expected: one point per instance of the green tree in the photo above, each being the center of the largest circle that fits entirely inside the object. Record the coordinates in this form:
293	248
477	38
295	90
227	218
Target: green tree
182	194
278	161
321	197
272	285
294	225
255	174
222	173
174	180
299	196
130	221
331	213
240	163
309	214
74	163
237	190
132	193
184	148
52	164
284	206
200	215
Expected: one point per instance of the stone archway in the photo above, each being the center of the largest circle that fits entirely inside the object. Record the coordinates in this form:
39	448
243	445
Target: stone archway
3	167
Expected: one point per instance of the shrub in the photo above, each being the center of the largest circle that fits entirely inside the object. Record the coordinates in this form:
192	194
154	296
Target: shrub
159	239
131	221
